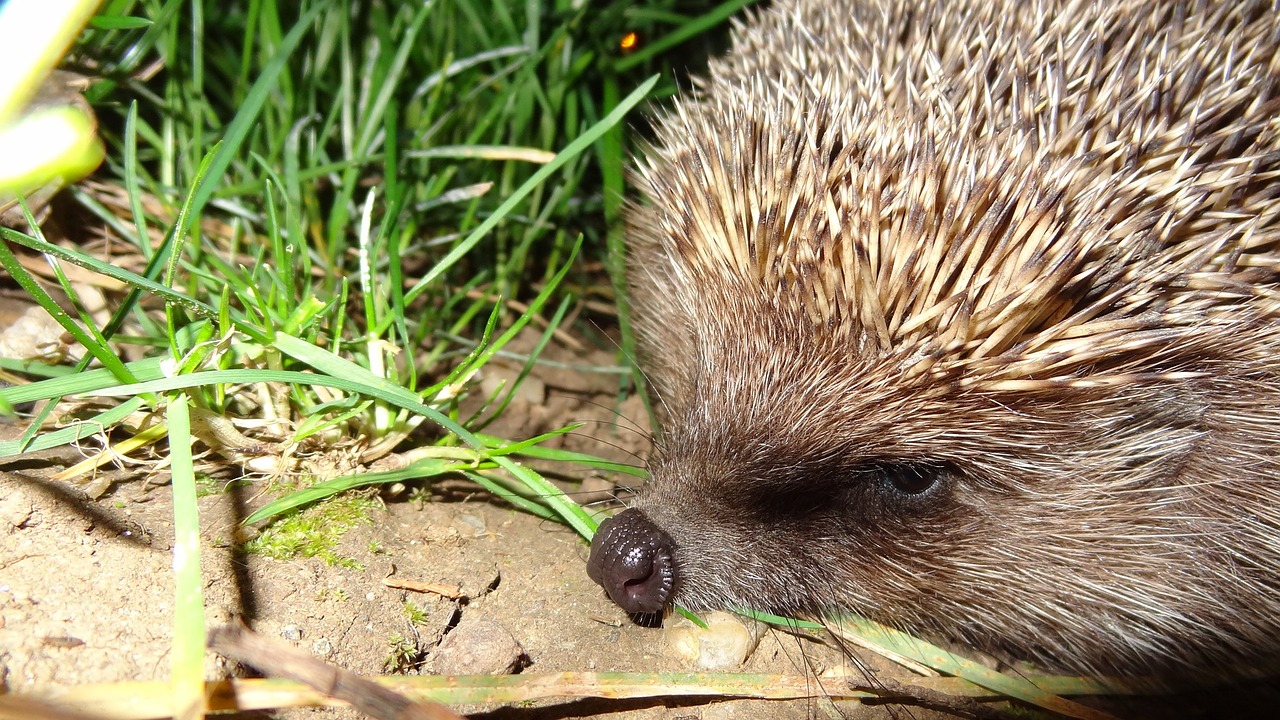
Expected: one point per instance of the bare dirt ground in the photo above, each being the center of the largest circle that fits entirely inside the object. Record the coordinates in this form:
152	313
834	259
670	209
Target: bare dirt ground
86	591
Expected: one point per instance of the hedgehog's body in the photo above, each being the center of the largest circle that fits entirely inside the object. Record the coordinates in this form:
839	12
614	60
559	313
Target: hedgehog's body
964	315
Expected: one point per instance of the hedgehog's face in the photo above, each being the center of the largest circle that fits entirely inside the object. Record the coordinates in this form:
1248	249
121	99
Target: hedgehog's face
954	515
763	536
779	524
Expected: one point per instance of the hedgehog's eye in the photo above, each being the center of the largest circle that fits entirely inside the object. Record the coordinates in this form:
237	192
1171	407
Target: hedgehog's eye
913	479
913	482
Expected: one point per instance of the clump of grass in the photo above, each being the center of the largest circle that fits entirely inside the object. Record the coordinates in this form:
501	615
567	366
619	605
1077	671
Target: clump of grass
330	203
312	227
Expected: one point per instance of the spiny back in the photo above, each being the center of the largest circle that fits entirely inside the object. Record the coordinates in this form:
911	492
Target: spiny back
1002	194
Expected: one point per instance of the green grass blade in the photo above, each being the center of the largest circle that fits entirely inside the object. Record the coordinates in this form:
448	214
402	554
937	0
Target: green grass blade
181	226
340	368
393	394
530	449
568	510
131	179
35	368
98	350
373	119
187	662
1014	686
583	142
253	103
74	433
520	503
428	467
612	154
81	382
358	380
89	262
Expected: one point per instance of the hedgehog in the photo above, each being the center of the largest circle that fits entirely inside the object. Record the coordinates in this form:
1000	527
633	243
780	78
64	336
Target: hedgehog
963	315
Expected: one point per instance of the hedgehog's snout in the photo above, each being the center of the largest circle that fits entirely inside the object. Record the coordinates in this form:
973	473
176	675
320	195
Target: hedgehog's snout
633	560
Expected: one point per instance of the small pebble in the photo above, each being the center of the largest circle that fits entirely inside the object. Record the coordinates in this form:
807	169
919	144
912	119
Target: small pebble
477	647
291	632
726	642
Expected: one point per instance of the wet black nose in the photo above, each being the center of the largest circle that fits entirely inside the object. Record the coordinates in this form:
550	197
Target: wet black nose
632	559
